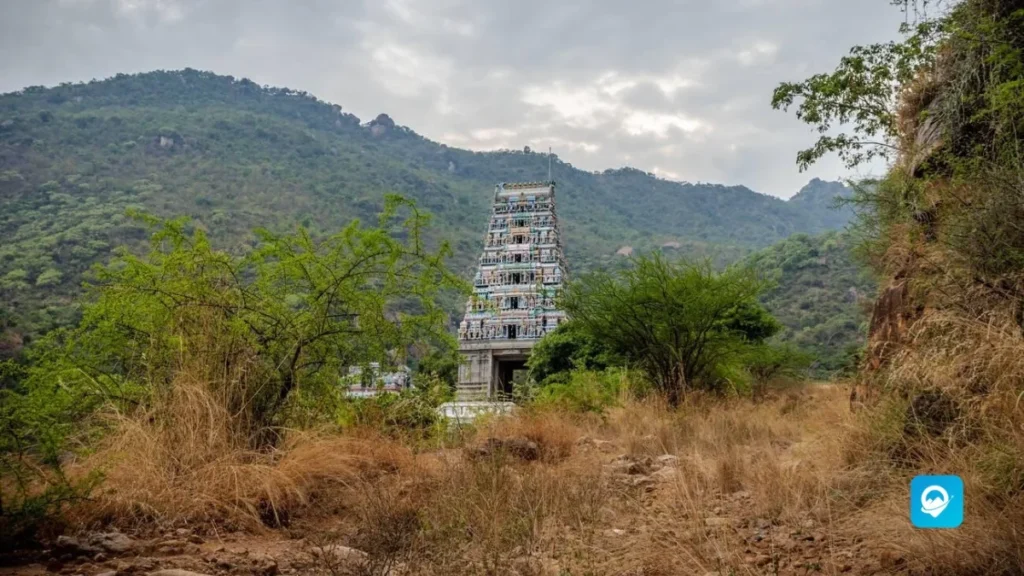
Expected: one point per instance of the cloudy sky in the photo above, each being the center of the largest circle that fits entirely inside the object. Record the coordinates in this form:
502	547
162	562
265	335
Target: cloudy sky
676	87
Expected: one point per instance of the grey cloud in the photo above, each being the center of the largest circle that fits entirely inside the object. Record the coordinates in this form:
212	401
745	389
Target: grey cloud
647	95
678	86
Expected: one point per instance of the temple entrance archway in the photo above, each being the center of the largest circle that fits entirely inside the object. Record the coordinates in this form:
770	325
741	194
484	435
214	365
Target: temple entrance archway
507	373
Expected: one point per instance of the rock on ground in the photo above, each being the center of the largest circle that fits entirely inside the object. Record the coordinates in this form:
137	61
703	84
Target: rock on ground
91	544
339	553
521	448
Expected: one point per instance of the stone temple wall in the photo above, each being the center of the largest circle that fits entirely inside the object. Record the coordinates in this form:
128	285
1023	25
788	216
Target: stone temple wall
513	303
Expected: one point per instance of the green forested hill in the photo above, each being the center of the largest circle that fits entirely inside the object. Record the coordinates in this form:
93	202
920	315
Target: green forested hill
819	197
821	295
234	156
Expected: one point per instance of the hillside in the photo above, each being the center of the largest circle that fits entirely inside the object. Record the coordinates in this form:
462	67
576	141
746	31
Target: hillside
235	156
819	197
821	296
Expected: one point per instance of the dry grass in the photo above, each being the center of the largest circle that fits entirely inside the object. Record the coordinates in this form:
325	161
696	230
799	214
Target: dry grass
797	464
575	511
554	433
959	412
493	515
785	448
182	463
769	464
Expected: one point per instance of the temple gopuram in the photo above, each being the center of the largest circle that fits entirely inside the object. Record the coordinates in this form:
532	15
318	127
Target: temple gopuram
513	302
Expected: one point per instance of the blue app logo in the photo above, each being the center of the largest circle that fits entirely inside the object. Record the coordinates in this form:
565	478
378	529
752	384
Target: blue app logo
937	502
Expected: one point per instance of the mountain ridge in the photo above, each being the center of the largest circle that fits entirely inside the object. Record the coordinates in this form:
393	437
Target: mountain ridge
314	111
233	156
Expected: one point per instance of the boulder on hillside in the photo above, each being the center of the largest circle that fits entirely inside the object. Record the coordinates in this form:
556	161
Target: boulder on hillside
381	125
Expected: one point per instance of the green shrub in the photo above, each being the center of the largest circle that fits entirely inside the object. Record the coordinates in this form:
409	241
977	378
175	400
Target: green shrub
585	391
775	363
440	364
410	413
681	324
569	347
38	419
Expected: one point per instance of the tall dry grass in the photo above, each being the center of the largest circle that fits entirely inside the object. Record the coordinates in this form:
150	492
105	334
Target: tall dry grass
786	450
956	409
554	432
182	461
492	514
778	463
797	461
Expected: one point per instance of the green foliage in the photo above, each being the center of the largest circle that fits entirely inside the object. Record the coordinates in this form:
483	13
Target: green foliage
831	199
750	321
409	414
569	347
39	420
678	323
772	363
441	364
265	335
981	110
49	277
584	391
820	296
287	315
862	92
950	99
234	156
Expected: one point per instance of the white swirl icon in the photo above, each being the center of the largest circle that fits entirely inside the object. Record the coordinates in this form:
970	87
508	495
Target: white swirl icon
936	505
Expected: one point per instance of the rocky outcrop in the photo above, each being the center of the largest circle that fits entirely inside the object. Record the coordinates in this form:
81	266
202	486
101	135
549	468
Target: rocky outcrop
922	110
890	318
381	125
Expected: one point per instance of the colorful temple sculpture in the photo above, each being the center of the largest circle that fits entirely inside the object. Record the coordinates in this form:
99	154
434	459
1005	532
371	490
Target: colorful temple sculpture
513	302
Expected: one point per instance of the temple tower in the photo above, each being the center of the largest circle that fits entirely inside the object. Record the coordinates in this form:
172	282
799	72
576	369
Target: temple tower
513	302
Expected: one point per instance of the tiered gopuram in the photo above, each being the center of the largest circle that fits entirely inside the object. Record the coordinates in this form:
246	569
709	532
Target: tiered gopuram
513	302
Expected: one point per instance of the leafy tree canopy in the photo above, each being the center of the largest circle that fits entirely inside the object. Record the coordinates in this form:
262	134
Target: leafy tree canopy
569	347
260	338
863	93
680	323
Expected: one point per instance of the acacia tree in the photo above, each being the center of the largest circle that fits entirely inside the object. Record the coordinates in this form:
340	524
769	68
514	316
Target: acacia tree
854	108
254	337
680	323
258	328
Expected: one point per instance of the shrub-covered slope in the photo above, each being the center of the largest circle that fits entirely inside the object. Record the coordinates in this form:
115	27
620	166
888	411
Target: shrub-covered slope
234	156
820	296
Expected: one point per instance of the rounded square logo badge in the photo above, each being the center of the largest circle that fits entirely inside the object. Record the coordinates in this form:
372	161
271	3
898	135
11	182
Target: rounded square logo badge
936	502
